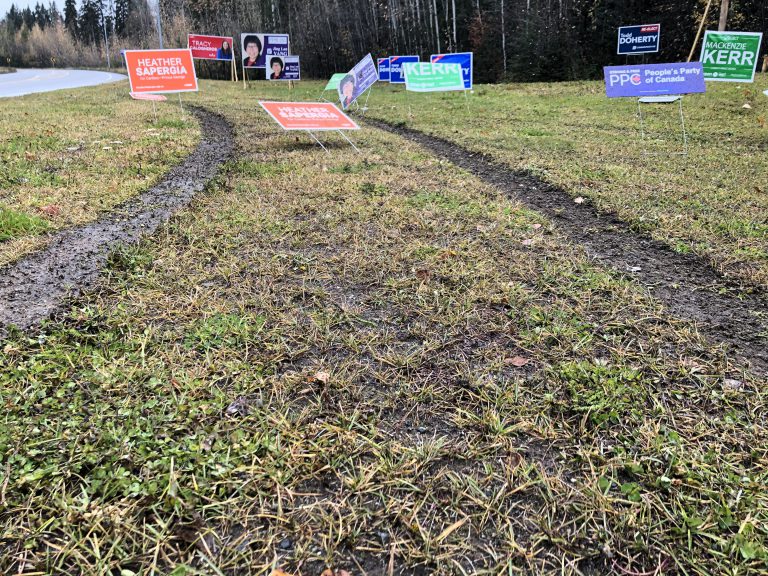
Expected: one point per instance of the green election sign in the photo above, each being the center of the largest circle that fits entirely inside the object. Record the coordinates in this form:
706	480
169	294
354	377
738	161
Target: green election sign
730	56
428	77
333	83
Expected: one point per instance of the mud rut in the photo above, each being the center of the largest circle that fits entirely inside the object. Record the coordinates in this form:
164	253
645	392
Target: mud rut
38	285
686	284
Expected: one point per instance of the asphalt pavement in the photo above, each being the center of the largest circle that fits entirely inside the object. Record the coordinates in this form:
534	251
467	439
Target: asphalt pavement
32	80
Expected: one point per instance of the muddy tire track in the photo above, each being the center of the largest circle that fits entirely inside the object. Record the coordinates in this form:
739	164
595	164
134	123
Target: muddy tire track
33	288
685	283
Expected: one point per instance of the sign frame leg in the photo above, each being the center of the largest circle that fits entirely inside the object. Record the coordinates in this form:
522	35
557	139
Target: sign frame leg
318	141
350	141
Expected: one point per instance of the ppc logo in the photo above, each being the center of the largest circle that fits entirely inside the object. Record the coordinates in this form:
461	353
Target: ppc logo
622	78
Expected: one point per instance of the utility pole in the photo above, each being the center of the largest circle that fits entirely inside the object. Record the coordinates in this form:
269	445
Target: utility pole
160	24
106	40
724	5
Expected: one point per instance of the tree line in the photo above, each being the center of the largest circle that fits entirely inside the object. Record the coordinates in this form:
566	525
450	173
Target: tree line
513	40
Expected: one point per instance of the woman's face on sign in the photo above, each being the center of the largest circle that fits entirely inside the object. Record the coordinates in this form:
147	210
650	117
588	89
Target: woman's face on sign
277	67
348	89
252	50
225	45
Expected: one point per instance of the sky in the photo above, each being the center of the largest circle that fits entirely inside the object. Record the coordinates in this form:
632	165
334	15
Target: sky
6	4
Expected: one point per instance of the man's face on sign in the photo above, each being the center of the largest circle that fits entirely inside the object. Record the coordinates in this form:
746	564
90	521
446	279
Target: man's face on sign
252	49
348	90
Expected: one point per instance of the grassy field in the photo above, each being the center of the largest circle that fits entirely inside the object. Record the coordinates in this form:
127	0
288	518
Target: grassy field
713	202
373	363
6	70
66	157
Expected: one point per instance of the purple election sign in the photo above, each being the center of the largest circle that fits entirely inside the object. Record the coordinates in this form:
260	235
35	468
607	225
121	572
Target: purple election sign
654	80
283	68
358	80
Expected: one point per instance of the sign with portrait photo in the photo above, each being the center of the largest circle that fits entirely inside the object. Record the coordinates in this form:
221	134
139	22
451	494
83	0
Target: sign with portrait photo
283	68
357	81
210	47
257	48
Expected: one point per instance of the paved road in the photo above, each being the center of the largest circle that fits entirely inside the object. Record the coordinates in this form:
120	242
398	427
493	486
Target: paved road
31	80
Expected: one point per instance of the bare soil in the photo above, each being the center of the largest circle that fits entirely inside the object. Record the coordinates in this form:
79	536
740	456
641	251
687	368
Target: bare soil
36	286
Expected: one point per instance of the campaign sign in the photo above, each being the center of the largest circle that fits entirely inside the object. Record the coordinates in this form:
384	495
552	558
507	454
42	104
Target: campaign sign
210	47
654	79
308	116
161	71
258	48
730	56
151	97
357	81
396	68
428	77
383	69
284	68
333	83
464	59
639	39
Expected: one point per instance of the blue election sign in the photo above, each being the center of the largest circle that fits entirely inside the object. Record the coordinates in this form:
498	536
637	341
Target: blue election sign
383	69
639	39
463	58
654	80
396	68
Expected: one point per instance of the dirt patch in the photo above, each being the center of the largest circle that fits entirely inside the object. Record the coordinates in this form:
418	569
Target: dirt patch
36	286
688	286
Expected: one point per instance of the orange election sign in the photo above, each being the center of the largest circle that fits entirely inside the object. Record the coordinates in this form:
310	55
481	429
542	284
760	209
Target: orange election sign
308	116
157	71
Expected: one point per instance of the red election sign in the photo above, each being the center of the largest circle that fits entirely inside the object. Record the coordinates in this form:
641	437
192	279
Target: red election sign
170	70
210	47
308	116
145	96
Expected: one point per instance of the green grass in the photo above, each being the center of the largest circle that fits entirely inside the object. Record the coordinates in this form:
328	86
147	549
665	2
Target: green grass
713	201
68	157
16	224
373	363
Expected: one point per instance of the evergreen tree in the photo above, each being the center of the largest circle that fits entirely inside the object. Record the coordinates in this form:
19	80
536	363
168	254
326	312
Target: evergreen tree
70	16
122	11
89	22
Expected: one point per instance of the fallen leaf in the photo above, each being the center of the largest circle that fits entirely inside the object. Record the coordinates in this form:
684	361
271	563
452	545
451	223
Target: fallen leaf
747	106
733	384
488	228
453	527
322	376
517	361
423	275
536	226
279	572
527	242
51	210
579	200
238	408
